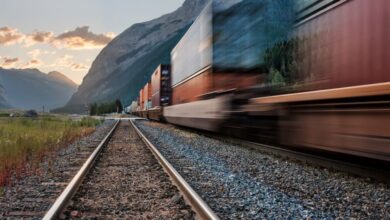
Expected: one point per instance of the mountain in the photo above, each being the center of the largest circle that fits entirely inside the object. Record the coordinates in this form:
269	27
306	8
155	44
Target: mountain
3	100
32	89
61	78
127	62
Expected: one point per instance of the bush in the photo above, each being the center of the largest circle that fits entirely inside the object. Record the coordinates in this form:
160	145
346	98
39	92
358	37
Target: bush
3	114
25	141
106	108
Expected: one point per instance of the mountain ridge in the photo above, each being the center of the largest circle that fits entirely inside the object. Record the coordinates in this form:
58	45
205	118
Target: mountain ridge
3	98
61	77
39	89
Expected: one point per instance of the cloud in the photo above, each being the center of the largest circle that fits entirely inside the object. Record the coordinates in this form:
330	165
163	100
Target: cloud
8	62
38	37
79	67
63	61
67	62
34	54
10	36
82	38
77	39
34	63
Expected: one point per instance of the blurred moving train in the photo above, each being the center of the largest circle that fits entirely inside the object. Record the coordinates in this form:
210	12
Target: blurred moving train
303	74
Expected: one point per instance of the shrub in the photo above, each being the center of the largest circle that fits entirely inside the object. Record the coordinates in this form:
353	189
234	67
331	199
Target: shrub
24	142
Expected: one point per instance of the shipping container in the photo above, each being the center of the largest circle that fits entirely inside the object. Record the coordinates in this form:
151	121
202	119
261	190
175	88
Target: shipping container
193	89
161	86
147	95
133	107
225	47
209	84
342	56
194	51
345	45
141	99
244	32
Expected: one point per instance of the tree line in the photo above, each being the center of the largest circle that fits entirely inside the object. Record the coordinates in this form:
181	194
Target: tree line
106	108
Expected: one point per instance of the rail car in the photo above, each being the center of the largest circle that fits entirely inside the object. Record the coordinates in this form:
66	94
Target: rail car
321	82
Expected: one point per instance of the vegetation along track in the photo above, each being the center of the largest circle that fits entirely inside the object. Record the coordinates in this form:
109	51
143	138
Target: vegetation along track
126	182
31	195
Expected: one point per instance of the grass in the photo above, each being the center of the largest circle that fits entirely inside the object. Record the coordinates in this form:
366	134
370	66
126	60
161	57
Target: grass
24	142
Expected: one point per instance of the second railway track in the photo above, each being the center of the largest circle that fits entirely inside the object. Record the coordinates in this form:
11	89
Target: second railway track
241	183
125	181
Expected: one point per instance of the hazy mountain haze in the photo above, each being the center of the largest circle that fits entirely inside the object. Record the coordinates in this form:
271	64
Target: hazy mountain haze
32	89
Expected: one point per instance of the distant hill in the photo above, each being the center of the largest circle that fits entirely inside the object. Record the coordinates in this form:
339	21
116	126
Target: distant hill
32	89
3	98
61	78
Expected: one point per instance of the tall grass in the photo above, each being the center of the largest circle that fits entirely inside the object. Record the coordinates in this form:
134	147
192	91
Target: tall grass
24	142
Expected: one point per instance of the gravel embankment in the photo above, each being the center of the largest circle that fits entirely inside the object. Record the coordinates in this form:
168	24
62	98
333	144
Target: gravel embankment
239	183
31	196
127	182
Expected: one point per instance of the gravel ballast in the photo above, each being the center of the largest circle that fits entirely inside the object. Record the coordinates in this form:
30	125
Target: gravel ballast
32	195
240	183
127	182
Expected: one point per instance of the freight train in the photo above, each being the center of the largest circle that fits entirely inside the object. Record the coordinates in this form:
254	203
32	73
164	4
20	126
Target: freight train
310	74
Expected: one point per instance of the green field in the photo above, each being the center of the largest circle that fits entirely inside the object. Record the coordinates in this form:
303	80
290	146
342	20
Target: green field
24	142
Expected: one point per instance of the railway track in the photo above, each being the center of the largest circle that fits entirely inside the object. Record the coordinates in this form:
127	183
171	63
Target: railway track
123	179
201	207
242	182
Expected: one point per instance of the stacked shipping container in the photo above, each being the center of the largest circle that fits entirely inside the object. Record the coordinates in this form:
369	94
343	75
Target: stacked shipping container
147	95
141	100
224	48
161	86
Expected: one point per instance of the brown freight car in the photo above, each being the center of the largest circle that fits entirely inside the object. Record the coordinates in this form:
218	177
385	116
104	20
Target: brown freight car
205	70
208	81
334	72
161	91
342	101
346	44
141	102
146	98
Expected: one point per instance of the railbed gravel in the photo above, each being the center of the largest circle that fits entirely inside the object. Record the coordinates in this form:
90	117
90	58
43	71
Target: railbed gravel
241	183
127	182
32	195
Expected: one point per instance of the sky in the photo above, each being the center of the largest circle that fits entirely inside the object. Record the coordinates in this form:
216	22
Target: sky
67	35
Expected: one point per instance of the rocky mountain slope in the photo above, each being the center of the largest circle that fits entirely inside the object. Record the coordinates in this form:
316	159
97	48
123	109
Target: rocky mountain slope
126	63
3	98
32	89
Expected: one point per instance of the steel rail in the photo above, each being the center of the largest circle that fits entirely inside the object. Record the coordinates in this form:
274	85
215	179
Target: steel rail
197	203
63	200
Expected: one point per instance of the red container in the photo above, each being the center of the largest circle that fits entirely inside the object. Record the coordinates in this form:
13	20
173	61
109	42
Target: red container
207	82
161	86
346	46
231	80
192	89
141	99
146	96
138	101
